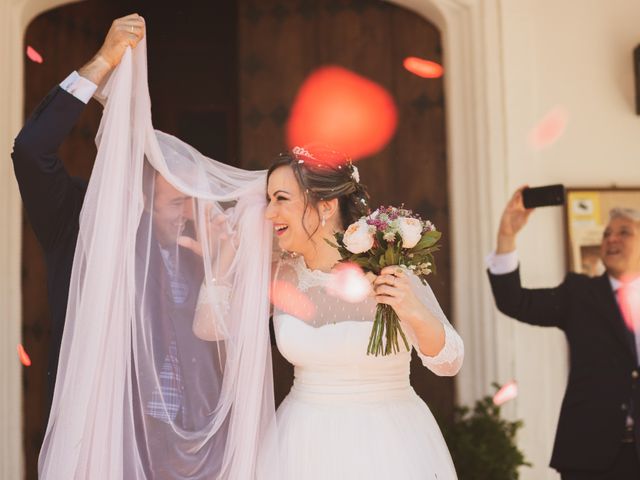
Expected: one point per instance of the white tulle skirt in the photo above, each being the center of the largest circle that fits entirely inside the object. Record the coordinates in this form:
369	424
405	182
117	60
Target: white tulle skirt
388	434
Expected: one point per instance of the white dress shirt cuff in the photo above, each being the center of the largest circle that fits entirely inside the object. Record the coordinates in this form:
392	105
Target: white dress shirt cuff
79	87
502	263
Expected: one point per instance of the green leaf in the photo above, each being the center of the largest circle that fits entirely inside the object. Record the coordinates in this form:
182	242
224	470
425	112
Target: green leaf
332	244
428	239
361	262
389	257
381	241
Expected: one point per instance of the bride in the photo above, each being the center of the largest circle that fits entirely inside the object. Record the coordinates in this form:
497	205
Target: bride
156	380
348	415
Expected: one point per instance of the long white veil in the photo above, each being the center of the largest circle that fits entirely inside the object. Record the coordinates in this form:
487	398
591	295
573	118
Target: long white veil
165	368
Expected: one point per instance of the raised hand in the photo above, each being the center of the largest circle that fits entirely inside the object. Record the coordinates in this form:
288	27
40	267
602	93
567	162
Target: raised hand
514	218
217	229
124	32
220	246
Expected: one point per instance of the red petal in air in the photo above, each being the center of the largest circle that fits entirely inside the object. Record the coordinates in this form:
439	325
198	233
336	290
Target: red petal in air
549	129
33	55
349	283
423	68
23	356
289	299
341	109
509	391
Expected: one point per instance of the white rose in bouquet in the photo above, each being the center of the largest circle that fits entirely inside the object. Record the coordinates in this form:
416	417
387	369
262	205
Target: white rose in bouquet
410	231
359	237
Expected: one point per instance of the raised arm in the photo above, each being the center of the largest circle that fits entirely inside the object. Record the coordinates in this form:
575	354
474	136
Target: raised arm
545	306
51	197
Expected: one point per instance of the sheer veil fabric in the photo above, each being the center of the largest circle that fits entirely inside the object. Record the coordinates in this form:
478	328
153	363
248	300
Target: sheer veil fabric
165	368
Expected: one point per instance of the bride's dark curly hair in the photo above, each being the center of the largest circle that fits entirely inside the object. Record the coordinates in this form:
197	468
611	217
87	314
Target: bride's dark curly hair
325	181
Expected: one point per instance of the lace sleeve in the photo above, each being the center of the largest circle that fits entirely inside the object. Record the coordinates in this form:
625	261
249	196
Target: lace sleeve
211	309
449	360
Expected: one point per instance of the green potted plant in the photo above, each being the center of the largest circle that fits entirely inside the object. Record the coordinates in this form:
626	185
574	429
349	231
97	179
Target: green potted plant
482	443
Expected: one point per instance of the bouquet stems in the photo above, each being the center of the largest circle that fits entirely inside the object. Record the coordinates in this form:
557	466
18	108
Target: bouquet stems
386	324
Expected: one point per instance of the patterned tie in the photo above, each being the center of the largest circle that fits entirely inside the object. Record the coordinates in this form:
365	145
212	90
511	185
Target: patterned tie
166	402
177	282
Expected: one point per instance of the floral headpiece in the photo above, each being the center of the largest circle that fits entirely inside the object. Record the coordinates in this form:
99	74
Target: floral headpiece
355	173
302	154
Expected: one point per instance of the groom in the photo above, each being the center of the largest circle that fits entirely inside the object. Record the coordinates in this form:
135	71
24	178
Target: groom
183	391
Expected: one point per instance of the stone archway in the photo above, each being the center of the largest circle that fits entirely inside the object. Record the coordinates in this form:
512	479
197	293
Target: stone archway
476	126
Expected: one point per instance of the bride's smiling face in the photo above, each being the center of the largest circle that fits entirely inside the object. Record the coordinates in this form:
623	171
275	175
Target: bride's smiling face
295	221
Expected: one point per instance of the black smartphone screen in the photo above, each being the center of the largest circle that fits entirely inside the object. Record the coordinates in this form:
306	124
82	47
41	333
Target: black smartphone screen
543	196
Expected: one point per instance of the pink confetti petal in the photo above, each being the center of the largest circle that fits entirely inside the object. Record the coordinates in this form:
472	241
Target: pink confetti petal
549	129
349	283
509	391
423	68
33	55
289	299
23	356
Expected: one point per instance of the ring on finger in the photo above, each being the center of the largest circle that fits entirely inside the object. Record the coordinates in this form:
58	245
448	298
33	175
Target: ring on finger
131	27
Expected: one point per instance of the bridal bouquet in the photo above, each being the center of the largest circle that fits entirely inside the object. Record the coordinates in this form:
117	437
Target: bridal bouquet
389	236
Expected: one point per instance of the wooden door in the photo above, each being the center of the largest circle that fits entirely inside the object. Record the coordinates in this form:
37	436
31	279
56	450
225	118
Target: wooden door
281	42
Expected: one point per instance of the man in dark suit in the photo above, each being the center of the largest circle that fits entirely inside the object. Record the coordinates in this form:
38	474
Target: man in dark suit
52	199
177	384
598	431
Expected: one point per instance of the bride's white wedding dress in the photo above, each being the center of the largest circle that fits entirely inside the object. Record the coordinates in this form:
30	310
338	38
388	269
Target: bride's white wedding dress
349	415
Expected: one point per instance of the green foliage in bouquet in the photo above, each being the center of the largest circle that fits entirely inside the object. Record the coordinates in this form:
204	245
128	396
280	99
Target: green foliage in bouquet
482	444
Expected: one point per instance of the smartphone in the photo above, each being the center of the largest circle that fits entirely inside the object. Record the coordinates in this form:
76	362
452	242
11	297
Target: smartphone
546	196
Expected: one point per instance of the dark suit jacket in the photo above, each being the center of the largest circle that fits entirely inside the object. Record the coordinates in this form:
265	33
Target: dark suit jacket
603	381
52	200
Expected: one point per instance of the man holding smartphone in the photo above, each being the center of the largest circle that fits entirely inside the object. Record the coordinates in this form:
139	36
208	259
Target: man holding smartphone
599	427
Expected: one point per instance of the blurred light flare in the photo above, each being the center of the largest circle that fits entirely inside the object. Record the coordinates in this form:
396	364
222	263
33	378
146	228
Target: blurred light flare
33	55
423	68
340	108
23	356
349	283
629	306
286	297
507	392
549	129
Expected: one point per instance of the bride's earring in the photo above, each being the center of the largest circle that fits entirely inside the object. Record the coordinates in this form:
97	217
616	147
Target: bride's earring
323	222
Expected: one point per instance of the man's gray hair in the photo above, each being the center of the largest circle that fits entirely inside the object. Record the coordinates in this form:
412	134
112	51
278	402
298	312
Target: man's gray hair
620	212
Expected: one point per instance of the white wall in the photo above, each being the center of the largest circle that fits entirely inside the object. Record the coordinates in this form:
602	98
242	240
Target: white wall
576	53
